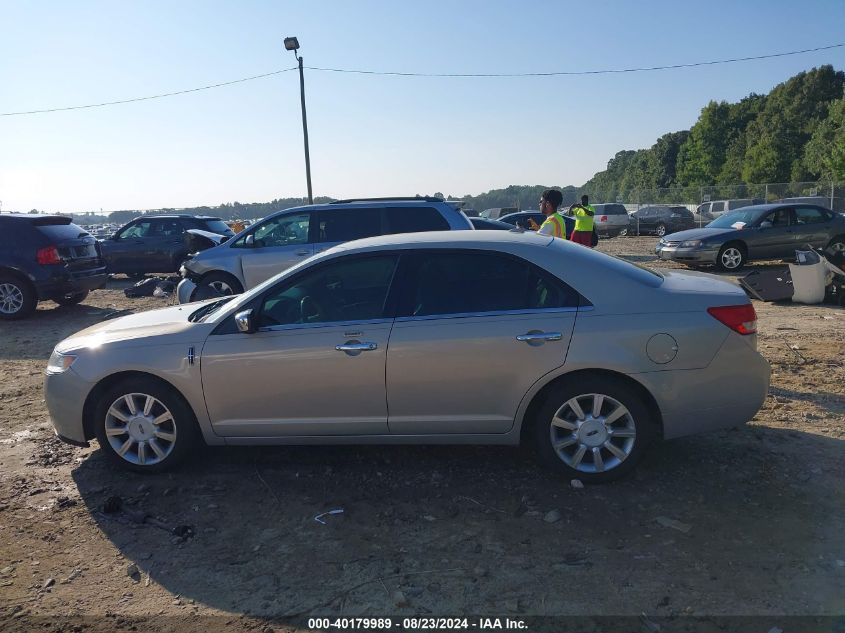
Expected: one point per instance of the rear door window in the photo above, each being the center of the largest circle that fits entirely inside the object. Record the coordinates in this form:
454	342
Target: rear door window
415	220
475	282
344	225
810	215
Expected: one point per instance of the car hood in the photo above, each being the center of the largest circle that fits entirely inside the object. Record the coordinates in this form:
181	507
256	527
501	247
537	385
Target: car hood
152	327
697	234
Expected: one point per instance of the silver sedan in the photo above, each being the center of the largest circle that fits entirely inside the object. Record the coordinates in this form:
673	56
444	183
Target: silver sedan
483	337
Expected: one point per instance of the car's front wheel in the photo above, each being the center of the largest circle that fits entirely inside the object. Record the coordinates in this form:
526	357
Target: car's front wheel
660	230
144	425
731	257
837	244
593	428
220	284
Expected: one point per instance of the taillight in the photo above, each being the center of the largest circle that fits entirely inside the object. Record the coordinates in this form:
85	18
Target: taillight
603	218
48	255
742	319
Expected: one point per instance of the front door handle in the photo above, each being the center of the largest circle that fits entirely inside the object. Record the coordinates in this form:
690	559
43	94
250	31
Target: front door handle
533	337
355	346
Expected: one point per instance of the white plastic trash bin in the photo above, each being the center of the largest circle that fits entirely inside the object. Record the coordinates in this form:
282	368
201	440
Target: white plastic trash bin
808	282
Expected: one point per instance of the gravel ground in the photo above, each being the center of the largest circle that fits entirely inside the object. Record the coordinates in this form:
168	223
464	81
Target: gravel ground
740	522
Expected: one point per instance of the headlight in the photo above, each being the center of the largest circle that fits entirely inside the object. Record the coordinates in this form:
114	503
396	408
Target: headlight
691	244
59	362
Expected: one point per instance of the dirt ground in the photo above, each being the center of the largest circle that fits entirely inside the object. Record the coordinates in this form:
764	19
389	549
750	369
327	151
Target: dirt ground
742	522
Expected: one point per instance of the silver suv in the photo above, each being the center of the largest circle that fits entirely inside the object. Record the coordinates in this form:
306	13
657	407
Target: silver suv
287	237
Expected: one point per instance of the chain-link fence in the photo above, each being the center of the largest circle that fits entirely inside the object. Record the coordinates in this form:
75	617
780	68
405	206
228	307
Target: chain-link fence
706	203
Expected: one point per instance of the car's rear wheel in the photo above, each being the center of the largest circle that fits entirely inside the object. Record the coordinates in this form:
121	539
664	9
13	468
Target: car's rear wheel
660	230
221	284
623	233
731	257
144	425
71	299
592	428
17	297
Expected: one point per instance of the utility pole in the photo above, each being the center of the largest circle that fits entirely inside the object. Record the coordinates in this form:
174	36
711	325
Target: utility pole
292	44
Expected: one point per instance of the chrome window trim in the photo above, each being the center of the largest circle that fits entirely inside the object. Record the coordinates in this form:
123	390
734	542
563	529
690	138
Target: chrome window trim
326	324
464	315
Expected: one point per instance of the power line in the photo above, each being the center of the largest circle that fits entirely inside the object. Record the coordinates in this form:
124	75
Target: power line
166	94
578	72
464	75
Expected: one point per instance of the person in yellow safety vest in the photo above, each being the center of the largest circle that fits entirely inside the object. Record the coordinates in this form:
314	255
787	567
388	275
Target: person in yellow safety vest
584	214
554	225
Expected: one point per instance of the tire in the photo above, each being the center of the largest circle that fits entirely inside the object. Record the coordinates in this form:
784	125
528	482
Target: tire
17	297
166	442
731	257
222	284
837	244
660	230
623	233
557	421
72	299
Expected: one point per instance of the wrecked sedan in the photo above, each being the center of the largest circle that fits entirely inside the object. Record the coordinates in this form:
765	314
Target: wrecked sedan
765	231
482	337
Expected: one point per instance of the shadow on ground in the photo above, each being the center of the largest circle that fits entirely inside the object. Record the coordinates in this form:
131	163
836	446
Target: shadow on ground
745	521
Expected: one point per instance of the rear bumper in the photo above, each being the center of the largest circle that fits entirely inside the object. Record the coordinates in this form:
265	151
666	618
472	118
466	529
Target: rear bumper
686	255
66	283
727	393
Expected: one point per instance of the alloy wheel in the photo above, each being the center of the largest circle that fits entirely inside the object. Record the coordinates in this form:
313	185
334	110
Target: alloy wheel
661	230
140	429
11	298
837	247
221	287
731	257
593	433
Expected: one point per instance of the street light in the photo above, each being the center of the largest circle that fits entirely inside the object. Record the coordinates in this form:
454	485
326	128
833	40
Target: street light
292	44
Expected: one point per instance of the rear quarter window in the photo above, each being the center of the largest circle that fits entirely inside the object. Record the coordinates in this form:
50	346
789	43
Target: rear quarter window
415	220
215	226
614	209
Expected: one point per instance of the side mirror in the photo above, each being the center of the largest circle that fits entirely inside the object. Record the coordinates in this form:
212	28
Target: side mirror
245	322
249	240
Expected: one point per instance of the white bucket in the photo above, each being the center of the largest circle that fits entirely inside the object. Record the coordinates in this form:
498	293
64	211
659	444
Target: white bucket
808	282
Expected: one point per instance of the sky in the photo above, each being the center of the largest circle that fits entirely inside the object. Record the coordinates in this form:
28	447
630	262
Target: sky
369	135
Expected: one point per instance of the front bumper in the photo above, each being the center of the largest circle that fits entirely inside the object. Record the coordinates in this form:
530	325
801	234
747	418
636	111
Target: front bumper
700	255
64	395
185	291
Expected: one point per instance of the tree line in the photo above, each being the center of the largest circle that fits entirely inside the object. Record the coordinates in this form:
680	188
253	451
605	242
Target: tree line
794	133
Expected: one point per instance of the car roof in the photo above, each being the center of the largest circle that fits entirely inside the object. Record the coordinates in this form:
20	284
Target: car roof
510	215
176	215
445	239
33	217
365	204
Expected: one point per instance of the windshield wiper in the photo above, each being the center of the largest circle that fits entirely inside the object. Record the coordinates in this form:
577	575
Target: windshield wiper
206	310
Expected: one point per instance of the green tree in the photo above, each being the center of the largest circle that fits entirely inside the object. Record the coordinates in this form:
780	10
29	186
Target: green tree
824	154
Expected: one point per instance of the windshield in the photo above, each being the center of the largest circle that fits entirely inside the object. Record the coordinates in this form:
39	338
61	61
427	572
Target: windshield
728	220
207	310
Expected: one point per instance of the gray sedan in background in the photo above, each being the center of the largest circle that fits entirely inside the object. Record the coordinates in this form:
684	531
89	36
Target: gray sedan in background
495	337
765	231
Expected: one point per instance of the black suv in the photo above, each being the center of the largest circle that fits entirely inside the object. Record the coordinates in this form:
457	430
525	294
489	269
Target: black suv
45	257
660	220
156	243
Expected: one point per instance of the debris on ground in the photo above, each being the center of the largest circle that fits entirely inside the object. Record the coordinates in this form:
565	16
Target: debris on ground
577	484
675	525
552	516
319	517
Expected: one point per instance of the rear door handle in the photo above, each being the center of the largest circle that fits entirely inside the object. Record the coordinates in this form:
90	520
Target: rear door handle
356	347
531	337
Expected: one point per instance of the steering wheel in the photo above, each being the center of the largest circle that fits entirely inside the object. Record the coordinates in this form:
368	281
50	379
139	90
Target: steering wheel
310	311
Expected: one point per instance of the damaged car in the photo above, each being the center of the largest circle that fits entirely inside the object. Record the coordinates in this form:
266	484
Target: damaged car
495	337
